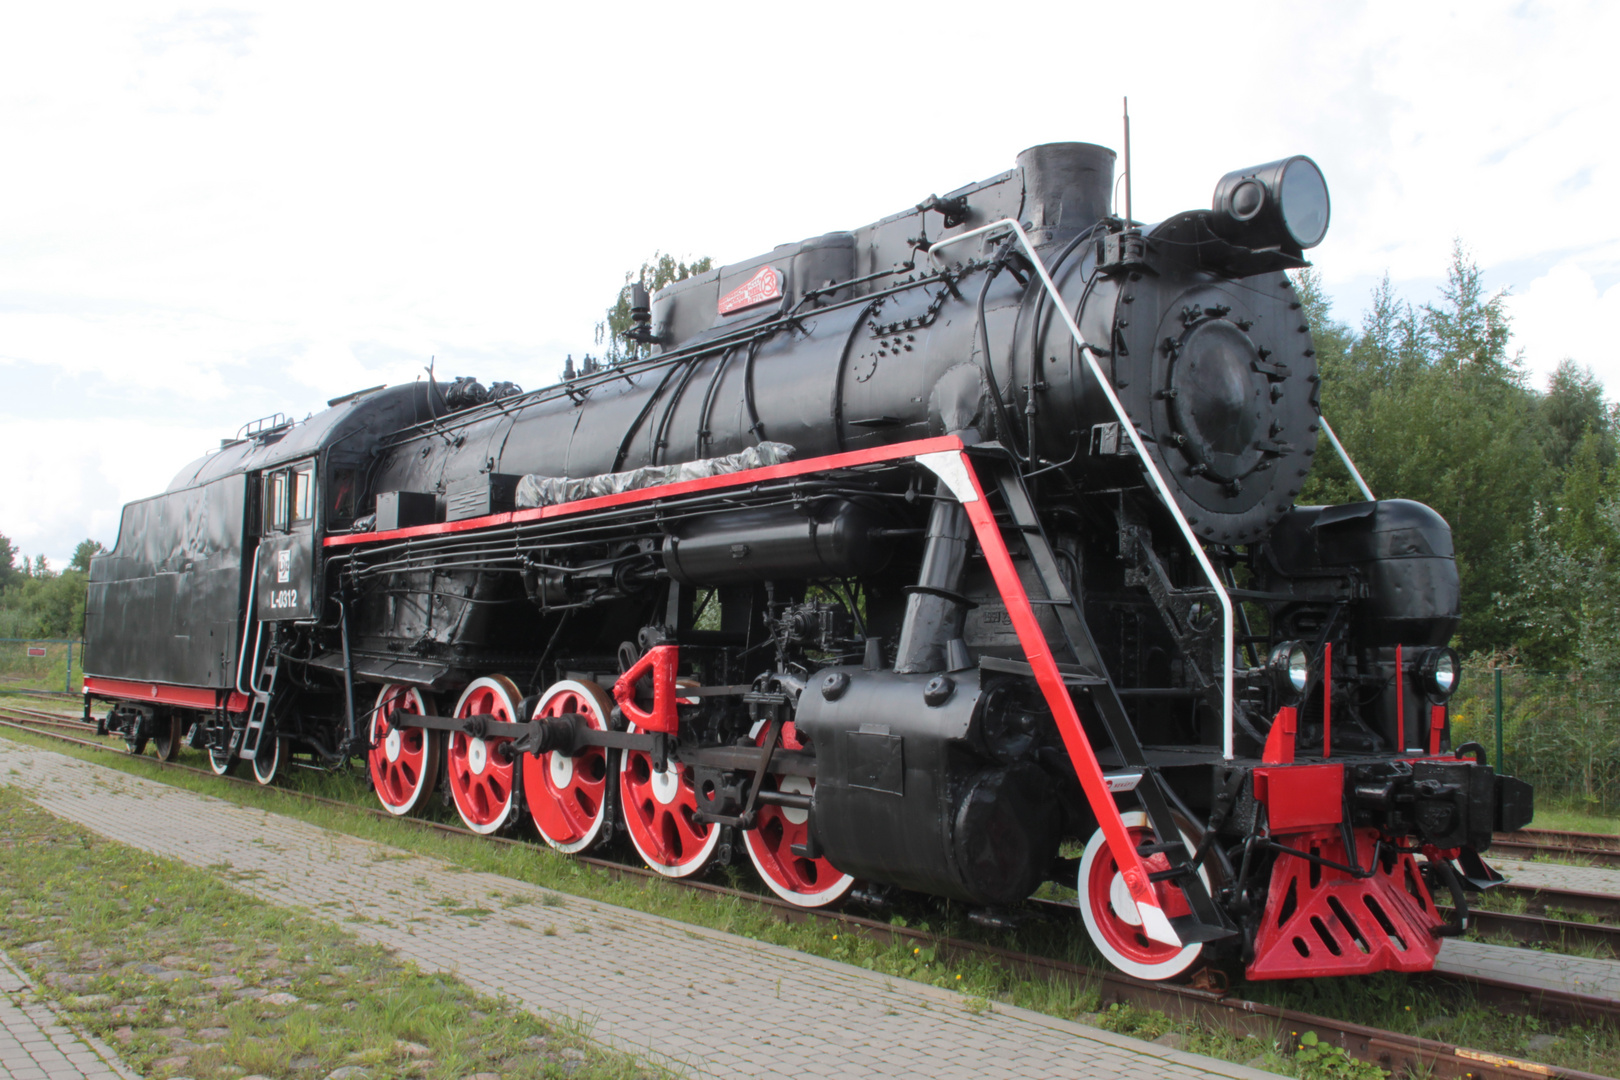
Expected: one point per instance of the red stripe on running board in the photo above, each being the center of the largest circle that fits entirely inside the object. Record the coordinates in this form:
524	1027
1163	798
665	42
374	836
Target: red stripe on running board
1039	656
189	697
786	470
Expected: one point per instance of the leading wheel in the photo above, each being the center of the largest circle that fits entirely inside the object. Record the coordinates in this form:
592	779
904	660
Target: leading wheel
403	760
268	760
166	736
1110	913
483	779
567	796
658	814
777	829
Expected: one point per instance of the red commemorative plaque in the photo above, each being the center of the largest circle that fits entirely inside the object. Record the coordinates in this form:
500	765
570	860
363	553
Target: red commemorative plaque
763	286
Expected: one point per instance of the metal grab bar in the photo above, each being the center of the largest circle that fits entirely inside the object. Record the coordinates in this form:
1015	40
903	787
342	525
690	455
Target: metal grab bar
1344	456
1228	632
248	623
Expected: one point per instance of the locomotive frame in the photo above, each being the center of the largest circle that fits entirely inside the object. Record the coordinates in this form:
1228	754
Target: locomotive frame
938	635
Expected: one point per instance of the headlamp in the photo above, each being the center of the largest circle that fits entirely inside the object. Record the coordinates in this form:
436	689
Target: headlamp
1290	667
1281	204
1439	672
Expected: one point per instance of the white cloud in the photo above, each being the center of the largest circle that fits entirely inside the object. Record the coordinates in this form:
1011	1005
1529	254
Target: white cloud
1566	315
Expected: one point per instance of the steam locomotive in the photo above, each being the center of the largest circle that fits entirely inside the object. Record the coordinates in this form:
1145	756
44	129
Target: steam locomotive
958	554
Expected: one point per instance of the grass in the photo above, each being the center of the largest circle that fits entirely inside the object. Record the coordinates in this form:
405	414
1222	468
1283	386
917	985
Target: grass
1386	1000
1569	818
182	973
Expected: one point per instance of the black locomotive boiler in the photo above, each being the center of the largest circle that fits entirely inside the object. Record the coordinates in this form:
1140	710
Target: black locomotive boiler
958	554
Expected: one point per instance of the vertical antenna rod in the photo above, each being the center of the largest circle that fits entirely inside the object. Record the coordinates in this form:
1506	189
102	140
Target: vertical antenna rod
1127	162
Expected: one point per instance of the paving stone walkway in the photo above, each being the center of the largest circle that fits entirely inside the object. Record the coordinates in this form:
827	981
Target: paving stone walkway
708	1002
35	1045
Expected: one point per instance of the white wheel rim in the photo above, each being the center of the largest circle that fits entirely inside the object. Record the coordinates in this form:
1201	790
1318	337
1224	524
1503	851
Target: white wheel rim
394	742
1120	897
693	865
561	766
478	759
264	774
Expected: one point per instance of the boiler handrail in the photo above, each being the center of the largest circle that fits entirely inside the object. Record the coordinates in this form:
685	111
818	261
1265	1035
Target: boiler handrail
1228	632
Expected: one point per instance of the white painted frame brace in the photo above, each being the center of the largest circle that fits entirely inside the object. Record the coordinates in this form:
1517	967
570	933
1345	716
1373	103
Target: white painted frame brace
1087	353
1344	456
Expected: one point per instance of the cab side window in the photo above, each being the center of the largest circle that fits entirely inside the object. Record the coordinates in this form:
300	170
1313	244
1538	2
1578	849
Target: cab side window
303	493
289	498
275	502
341	488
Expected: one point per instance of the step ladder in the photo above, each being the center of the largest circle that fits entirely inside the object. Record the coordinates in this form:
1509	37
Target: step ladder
264	688
1205	921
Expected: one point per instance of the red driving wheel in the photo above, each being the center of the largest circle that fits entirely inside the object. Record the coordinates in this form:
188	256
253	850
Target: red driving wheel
404	760
1112	918
483	779
795	878
567	795
658	809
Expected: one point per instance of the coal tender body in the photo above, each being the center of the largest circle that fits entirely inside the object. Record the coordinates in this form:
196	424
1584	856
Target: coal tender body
956	554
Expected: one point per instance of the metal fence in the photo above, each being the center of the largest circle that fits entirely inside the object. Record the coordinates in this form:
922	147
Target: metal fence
1561	732
41	664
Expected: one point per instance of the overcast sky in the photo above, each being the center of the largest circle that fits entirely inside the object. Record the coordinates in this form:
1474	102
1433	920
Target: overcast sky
212	214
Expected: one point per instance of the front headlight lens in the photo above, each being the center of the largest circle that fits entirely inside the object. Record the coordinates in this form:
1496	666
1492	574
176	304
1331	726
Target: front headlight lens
1299	667
1304	202
1440	673
1291	668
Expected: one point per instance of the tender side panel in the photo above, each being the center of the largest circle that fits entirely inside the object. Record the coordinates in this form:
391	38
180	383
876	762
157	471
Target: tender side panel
165	605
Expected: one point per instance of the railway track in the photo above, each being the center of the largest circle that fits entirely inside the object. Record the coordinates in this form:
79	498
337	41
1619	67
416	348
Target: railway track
1214	1008
1593	849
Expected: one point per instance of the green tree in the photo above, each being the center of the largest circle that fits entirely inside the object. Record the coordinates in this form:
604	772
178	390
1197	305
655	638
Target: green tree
82	554
1432	406
1573	409
9	574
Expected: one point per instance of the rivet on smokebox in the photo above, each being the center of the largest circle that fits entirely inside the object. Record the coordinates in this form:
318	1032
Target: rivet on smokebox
938	691
834	685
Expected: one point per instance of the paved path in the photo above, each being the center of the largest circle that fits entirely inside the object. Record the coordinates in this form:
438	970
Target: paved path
709	1002
34	1045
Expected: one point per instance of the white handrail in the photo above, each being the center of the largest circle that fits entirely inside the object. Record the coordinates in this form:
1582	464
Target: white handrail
247	623
1344	456
1228	633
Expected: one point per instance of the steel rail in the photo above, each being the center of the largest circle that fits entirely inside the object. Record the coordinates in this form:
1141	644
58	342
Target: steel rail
1088	353
1390	1050
1599	849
